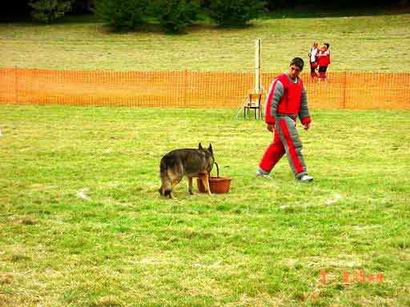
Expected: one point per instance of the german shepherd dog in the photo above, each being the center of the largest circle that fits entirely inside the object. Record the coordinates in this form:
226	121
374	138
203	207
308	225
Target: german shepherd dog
190	162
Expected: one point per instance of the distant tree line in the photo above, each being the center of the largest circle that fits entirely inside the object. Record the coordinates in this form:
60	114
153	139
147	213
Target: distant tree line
172	15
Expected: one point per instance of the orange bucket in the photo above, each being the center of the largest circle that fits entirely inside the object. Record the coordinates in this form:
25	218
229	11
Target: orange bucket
217	184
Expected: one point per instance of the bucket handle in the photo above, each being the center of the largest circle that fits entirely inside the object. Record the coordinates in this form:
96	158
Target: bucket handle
217	169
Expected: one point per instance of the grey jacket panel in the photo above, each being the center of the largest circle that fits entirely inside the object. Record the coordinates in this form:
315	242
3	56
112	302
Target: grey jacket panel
304	110
278	92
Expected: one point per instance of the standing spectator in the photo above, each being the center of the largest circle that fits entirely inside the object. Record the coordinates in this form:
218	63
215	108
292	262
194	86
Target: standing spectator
286	101
323	61
313	59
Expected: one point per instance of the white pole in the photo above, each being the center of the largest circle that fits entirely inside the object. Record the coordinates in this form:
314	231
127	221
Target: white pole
258	66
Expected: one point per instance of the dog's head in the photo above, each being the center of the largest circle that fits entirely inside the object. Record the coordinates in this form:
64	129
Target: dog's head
209	156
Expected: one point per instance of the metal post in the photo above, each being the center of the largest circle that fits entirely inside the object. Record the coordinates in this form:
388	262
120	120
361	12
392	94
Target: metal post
258	87
258	66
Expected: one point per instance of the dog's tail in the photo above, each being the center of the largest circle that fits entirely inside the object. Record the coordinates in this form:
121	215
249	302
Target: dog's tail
166	187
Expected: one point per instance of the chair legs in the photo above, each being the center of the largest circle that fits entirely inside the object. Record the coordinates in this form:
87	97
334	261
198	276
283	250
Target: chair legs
253	102
257	112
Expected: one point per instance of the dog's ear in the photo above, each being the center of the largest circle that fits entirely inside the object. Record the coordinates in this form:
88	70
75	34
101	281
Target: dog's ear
200	146
210	149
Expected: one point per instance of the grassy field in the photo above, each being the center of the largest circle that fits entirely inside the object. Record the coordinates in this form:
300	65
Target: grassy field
364	42
81	221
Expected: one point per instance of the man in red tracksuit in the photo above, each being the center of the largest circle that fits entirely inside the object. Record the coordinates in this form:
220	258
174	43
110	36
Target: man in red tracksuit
286	101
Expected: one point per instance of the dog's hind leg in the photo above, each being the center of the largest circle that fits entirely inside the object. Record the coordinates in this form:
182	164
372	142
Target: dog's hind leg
174	180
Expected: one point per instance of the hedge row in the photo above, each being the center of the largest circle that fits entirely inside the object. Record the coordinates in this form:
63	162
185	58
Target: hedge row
173	15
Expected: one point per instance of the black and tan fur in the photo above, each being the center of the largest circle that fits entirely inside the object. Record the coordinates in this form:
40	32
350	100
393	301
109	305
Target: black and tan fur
190	162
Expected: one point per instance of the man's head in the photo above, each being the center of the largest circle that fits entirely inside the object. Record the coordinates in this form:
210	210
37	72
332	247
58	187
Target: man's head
295	67
326	45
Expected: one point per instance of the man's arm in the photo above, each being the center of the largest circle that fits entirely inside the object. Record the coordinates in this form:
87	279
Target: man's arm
275	94
304	114
278	92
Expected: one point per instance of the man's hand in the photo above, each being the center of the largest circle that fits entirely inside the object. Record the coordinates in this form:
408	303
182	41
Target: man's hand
306	126
269	127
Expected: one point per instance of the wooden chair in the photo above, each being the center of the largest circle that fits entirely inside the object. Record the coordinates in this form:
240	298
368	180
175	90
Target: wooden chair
253	102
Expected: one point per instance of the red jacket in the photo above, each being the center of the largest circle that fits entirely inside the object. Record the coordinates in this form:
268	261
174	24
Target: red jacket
323	58
286	98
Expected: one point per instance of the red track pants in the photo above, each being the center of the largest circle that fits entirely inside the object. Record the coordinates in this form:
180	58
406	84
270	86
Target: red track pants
285	140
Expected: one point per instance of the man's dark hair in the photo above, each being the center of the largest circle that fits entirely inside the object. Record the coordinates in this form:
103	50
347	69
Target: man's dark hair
298	62
327	45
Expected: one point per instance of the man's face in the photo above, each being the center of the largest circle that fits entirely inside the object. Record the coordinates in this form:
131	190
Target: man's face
294	71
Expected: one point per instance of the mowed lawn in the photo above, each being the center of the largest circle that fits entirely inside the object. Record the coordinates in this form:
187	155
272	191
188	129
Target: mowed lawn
82	223
363	42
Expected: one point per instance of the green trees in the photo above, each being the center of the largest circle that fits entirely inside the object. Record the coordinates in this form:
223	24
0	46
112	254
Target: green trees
175	15
234	12
172	15
122	14
49	10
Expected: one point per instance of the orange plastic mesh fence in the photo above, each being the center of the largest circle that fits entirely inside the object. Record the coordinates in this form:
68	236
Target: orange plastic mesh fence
350	90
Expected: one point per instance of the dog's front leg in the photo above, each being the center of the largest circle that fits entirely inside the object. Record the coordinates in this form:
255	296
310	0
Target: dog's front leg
190	185
205	182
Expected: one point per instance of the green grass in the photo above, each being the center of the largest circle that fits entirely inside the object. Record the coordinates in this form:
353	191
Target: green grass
362	42
82	223
264	243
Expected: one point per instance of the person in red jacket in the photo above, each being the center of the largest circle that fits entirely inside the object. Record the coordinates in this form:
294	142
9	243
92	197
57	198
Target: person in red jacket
323	60
286	101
